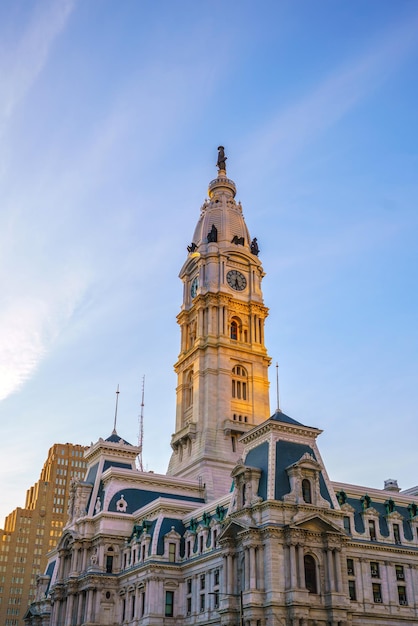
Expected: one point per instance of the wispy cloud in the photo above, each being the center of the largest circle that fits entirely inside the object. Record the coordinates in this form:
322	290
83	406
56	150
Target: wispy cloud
30	319
31	322
287	133
22	61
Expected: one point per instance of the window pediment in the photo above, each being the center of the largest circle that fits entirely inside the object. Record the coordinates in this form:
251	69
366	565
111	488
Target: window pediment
315	523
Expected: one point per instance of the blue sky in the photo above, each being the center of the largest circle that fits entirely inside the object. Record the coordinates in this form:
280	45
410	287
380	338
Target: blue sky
110	116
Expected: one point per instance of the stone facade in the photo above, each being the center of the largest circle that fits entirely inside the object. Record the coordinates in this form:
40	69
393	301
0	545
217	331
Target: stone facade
246	527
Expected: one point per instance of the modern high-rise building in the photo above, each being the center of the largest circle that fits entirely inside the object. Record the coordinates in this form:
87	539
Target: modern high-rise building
246	528
31	532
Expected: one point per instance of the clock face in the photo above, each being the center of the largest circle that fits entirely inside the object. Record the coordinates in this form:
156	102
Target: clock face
236	280
194	286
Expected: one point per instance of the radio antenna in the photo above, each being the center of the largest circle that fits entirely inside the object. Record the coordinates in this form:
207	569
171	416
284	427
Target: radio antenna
278	410
116	411
141	429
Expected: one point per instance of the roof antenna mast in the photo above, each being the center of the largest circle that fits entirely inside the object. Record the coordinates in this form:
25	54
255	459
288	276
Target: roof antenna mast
141	429
116	411
278	410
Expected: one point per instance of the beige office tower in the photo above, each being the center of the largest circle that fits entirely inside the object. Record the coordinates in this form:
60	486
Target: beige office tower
32	531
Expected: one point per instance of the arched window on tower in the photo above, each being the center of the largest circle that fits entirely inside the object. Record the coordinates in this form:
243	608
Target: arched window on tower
239	383
188	389
310	573
234	330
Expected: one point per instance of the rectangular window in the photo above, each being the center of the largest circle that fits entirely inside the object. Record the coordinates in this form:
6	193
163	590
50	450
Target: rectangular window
189	585
350	567
202	581
402	595
216	578
377	593
352	590
169	603
172	552
399	572
202	602
244	391
347	525
374	570
201	543
189	605
216	599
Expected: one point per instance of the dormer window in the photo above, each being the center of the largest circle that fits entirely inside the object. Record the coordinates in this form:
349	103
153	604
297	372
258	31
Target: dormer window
306	491
372	529
304	479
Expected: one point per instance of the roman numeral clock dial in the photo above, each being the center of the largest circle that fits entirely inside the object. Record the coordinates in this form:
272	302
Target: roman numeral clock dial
236	280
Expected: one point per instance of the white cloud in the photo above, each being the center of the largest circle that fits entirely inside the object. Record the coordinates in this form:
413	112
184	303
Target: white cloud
30	323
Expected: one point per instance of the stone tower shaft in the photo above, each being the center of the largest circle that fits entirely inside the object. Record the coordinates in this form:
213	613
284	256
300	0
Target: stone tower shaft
222	384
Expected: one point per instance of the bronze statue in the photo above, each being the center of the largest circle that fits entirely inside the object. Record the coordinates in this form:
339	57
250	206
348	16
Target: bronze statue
254	247
221	163
213	234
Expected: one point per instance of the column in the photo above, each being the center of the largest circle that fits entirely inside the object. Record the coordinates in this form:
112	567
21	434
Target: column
329	571
55	612
260	567
339	582
301	567
292	555
80	609
84	560
89	605
230	574
253	569
246	569
69	611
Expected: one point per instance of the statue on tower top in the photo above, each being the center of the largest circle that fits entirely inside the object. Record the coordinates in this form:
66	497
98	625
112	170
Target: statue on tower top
221	159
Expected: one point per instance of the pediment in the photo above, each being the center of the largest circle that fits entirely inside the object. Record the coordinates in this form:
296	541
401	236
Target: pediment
66	540
315	523
232	530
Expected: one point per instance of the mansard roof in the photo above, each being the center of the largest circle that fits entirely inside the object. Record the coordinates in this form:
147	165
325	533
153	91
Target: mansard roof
279	416
114	438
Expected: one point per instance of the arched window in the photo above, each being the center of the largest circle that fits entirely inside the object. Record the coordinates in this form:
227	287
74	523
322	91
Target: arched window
310	573
306	491
234	330
188	389
239	383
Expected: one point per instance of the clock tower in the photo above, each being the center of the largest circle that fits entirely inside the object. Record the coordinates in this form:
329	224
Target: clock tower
222	381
